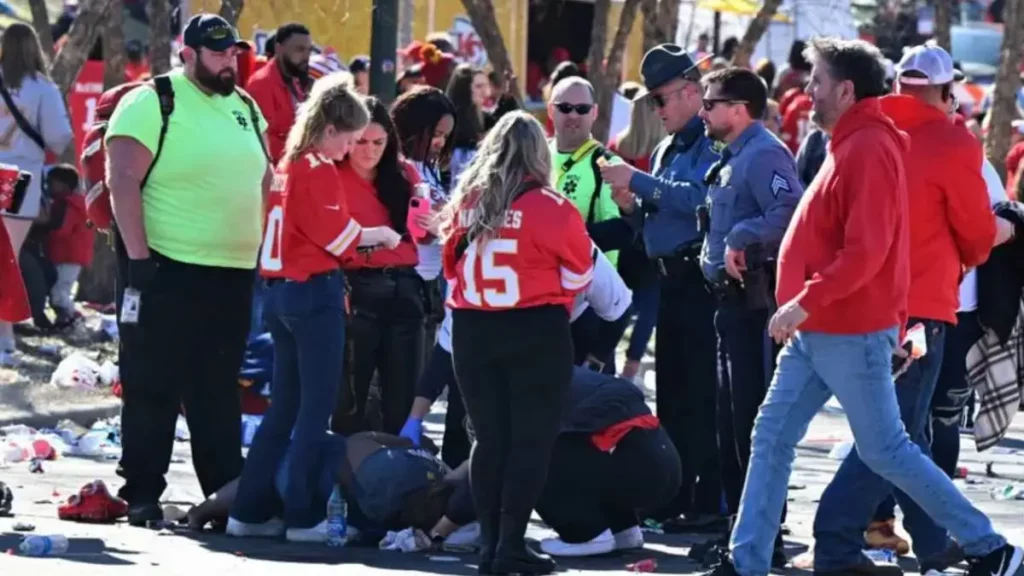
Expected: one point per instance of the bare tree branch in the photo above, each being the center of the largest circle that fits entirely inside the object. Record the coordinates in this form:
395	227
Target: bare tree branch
668	19
230	10
652	30
943	21
82	36
160	36
1004	101
754	32
41	22
113	45
598	39
606	79
481	14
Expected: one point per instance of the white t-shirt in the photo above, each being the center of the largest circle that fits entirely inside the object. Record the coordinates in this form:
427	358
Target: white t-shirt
996	193
607	294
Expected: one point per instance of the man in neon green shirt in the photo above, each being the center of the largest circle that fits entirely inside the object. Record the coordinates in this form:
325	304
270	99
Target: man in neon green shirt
188	211
575	153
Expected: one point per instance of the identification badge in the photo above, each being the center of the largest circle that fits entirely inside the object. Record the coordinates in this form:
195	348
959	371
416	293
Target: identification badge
130	305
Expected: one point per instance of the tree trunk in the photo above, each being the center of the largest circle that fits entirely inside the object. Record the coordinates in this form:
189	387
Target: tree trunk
668	16
652	30
943	22
230	10
160	36
41	22
82	36
754	32
481	14
407	11
1004	102
606	78
598	40
113	45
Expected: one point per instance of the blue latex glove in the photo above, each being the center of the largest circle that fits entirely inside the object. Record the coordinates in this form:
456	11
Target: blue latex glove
413	430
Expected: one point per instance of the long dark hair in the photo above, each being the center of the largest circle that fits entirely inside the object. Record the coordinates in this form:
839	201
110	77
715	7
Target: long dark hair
392	183
469	126
416	115
21	55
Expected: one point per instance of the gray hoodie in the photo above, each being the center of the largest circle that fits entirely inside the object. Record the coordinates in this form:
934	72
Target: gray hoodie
41	103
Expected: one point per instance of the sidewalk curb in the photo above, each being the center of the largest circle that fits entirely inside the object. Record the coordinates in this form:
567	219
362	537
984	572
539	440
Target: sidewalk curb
83	414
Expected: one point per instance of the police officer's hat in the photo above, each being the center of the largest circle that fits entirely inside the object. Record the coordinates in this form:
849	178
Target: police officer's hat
666	62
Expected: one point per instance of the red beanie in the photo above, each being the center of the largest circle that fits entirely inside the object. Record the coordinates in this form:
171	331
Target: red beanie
436	66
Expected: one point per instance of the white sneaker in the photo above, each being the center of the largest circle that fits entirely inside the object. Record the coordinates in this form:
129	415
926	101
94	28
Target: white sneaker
316	535
272	528
602	544
468	535
629	539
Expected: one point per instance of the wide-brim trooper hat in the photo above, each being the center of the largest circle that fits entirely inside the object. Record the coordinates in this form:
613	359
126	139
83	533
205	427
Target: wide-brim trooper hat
927	65
666	62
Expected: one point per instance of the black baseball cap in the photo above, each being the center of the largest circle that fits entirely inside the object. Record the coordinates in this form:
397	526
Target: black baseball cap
211	32
359	64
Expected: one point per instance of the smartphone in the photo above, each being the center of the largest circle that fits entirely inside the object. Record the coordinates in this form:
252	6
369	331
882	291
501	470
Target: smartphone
417	206
915	344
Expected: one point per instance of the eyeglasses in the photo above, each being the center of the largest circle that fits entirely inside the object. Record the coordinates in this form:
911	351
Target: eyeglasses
581	109
658	100
709	105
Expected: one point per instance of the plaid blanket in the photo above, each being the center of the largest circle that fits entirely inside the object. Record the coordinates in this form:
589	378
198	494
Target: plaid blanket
996	372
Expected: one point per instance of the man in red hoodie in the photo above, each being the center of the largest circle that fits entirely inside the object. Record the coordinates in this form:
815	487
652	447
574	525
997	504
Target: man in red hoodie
952	228
843	281
281	85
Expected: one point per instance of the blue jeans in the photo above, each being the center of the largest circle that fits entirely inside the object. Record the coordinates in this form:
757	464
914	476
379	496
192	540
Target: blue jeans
307	322
855	493
645	303
858	370
953	392
256	324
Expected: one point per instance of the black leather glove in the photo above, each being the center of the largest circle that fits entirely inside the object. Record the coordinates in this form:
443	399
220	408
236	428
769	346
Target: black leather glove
141	273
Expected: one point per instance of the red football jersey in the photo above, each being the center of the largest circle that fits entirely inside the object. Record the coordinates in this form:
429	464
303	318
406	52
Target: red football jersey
541	255
796	122
308	228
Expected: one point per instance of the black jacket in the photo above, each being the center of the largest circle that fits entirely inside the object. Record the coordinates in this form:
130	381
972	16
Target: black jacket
1001	278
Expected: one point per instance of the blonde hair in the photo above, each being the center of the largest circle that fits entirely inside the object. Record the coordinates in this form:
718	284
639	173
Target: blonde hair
513	152
638	139
332	101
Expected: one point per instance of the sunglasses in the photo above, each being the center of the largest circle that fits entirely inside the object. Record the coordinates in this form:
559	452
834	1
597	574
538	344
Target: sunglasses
580	109
709	105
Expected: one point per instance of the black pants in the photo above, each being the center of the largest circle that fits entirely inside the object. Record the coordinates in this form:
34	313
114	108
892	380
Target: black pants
589	491
595	337
514	368
952	391
685	383
186	350
746	363
39	275
384	335
437	375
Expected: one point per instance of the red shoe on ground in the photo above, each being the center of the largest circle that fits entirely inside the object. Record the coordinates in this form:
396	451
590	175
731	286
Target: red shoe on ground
93	503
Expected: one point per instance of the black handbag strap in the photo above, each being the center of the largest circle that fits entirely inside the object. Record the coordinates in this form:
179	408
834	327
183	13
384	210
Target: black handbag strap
255	118
19	118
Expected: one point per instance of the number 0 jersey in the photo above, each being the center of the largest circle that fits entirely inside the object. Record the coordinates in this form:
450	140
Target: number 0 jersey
541	255
308	228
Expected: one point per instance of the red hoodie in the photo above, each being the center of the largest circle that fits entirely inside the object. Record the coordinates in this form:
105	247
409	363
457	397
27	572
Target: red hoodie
72	242
845	256
951	220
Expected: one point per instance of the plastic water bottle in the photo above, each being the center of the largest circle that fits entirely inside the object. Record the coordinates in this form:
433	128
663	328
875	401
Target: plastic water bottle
337	510
54	545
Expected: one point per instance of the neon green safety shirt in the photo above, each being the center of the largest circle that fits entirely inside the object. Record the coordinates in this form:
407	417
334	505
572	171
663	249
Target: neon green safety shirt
575	175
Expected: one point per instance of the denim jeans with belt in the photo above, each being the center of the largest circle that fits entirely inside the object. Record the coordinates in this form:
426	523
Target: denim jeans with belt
857	368
856	494
307	322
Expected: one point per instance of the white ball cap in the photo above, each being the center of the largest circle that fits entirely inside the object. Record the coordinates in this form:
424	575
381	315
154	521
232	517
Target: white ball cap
929	64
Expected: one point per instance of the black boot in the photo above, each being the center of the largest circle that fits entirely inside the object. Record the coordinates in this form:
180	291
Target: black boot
488	542
513	556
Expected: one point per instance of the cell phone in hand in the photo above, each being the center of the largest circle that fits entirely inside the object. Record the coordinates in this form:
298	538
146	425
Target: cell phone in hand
417	207
897	362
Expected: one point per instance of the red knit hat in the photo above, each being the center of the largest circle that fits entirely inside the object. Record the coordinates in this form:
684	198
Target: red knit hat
437	66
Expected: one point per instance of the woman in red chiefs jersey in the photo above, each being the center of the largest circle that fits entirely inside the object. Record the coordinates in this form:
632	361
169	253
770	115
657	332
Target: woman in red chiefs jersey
386	294
515	255
309	232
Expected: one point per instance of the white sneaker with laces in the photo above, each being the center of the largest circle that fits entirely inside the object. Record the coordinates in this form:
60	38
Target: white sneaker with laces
272	528
602	544
629	539
316	535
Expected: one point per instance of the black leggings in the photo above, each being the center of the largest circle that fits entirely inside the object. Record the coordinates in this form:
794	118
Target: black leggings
589	491
514	368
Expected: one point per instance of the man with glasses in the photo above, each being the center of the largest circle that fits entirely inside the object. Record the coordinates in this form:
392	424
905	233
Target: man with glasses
753	191
952	228
670	197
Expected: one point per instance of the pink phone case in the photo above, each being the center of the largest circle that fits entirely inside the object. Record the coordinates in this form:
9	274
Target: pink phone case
417	206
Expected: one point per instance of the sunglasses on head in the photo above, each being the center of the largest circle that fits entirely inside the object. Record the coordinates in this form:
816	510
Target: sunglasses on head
709	104
580	109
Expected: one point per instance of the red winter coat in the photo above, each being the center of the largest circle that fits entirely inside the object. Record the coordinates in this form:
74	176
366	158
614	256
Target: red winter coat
72	242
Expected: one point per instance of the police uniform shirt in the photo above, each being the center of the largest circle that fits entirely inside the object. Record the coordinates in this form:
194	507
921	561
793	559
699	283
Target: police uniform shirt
753	198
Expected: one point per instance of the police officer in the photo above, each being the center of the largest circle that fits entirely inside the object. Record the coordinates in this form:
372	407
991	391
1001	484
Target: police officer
685	348
752	192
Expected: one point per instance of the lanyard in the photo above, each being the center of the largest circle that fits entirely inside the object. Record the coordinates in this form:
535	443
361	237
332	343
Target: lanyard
566	166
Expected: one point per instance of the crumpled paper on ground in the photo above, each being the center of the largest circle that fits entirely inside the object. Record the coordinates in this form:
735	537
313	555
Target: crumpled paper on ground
408	540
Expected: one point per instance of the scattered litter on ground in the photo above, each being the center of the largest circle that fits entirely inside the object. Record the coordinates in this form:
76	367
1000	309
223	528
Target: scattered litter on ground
881	556
652	527
1008	492
54	545
648	565
24	527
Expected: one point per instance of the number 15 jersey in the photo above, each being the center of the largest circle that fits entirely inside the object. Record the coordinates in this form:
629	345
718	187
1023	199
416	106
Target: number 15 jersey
541	255
309	230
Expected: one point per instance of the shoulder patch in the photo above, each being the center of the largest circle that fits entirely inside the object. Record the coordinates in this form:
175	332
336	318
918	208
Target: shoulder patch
779	184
